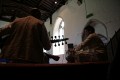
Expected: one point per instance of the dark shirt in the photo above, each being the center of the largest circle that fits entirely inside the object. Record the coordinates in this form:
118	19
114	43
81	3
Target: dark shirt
28	37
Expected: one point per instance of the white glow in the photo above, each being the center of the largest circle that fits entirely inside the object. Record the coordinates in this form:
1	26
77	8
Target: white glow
58	50
62	24
55	2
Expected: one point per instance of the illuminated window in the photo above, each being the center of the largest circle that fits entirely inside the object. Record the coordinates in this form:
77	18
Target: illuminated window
58	33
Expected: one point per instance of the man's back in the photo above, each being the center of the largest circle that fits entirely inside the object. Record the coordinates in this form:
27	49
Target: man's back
26	40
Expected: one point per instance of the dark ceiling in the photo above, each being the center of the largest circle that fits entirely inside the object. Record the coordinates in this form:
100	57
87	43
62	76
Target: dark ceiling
9	9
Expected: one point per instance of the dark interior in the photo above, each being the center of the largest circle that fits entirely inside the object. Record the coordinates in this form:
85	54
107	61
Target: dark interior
9	9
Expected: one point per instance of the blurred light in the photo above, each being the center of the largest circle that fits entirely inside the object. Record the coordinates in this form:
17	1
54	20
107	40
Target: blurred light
55	2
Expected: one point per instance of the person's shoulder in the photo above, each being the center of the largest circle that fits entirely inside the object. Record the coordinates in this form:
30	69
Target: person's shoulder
36	20
40	22
29	17
19	19
92	35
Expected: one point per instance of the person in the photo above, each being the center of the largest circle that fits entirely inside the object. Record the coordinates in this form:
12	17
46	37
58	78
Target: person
92	48
27	38
70	54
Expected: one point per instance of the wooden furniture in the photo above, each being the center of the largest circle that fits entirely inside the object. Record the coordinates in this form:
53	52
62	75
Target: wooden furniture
74	71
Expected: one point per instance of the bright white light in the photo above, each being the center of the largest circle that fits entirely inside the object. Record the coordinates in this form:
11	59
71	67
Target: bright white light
58	50
55	2
62	24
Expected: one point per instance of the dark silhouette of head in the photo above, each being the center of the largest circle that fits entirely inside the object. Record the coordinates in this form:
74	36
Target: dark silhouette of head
36	13
89	29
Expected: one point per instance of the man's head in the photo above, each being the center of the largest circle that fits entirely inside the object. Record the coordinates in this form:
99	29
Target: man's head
89	29
36	13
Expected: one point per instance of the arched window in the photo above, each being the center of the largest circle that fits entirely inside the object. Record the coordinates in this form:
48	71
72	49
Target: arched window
58	33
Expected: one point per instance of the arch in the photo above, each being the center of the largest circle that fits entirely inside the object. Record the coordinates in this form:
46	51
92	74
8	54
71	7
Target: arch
98	24
100	29
58	33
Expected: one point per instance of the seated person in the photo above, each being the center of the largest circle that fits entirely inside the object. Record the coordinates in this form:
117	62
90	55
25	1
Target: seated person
92	49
